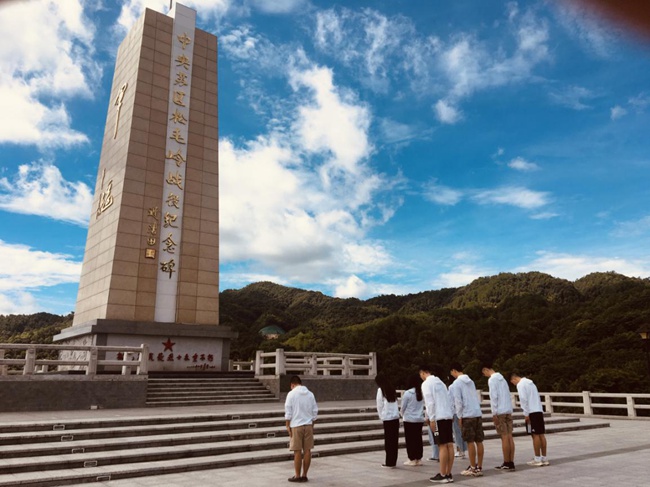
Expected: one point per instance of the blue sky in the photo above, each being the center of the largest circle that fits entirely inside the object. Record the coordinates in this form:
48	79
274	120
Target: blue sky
365	147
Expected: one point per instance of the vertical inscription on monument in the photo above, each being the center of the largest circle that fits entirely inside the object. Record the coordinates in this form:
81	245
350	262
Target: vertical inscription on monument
170	223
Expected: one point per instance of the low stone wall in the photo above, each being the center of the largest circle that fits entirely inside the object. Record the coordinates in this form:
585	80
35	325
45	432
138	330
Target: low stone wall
69	392
325	388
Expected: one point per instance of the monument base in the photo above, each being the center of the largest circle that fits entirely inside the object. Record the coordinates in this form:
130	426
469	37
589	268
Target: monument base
173	347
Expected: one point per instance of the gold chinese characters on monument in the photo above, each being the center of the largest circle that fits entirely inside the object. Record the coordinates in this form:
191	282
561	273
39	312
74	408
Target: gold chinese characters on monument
105	197
171	215
118	103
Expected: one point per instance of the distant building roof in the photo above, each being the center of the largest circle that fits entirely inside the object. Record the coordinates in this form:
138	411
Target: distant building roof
272	330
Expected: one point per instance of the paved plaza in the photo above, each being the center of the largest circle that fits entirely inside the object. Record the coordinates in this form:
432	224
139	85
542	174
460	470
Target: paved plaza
617	455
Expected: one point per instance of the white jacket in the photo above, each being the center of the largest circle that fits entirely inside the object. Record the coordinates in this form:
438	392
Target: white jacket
465	397
437	399
529	397
500	402
387	410
300	407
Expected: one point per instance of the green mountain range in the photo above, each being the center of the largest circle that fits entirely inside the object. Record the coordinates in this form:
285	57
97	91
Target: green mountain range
566	336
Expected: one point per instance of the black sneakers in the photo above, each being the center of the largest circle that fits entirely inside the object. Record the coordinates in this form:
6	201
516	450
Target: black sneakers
509	466
438	479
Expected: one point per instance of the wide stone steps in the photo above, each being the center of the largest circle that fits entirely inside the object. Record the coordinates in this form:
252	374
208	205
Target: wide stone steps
52	453
174	391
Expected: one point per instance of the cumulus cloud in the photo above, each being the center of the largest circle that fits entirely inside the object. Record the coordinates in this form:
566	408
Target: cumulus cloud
521	164
26	269
617	112
40	189
447	113
514	196
572	267
47	62
314	196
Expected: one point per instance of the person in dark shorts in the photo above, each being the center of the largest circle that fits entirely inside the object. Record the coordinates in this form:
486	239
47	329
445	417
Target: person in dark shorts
439	410
468	409
531	403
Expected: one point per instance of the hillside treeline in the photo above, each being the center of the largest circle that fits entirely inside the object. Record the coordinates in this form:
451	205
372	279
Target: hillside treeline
567	336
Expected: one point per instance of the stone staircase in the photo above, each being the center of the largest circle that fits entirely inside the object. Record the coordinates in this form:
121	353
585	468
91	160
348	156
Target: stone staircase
74	452
223	388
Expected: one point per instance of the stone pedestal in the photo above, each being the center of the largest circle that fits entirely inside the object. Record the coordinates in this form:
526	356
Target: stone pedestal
173	347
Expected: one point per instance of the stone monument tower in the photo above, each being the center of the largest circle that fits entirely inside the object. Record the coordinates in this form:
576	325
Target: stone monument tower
151	266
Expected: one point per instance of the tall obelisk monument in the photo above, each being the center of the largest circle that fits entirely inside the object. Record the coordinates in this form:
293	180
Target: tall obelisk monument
151	266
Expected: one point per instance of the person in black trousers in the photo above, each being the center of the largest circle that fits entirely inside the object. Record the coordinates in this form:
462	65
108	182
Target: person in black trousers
412	411
389	414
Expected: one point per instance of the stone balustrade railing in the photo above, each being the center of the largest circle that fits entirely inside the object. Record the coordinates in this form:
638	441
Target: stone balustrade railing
86	358
590	403
315	364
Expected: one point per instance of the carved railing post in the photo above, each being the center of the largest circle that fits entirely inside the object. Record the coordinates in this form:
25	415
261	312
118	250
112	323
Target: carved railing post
280	367
631	410
143	366
30	361
3	368
586	403
258	363
373	364
91	368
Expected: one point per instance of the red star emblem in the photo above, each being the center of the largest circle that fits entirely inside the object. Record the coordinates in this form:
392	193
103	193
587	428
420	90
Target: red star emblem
169	345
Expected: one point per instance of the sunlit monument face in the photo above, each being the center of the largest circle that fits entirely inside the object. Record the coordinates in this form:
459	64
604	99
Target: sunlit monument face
151	265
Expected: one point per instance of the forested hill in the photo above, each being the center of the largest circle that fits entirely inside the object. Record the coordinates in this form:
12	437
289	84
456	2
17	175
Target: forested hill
567	336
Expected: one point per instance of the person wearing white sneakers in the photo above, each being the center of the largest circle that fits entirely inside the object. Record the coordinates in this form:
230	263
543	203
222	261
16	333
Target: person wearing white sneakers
412	411
439	411
531	403
468	409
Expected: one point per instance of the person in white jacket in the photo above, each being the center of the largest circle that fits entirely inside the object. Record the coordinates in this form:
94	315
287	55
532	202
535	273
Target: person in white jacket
300	412
468	409
412	411
389	413
531	403
501	407
439	410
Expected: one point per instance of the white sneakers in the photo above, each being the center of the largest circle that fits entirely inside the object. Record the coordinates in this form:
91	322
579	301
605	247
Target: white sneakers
539	462
413	463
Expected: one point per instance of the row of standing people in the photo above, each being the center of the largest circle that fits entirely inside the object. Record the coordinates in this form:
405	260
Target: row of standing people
429	401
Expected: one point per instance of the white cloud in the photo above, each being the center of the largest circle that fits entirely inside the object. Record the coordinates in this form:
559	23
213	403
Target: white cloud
40	189
300	200
461	275
331	123
640	102
442	195
206	9
388	52
633	228
393	132
447	113
25	269
580	22
617	112
572	267
521	164
48	61
544	215
353	286
572	97
513	195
